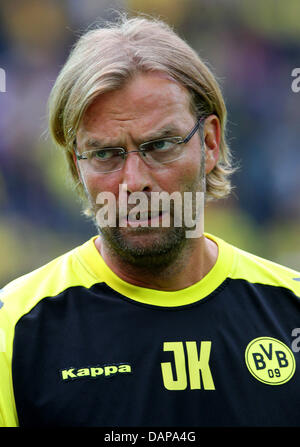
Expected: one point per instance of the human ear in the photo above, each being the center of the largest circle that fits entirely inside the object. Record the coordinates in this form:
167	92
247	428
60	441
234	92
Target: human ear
212	136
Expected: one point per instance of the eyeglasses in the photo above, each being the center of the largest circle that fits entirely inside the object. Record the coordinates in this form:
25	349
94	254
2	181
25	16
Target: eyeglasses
153	153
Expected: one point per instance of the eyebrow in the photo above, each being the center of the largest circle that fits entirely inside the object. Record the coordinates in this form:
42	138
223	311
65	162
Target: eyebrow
166	131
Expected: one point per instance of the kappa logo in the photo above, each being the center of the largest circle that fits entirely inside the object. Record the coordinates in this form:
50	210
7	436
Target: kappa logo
270	361
95	371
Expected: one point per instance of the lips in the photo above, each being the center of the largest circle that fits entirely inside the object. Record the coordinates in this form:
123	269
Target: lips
137	219
141	216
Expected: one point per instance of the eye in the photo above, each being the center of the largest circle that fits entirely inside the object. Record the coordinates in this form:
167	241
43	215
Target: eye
105	154
160	145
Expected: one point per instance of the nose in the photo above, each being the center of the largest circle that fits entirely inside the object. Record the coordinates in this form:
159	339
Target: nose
136	174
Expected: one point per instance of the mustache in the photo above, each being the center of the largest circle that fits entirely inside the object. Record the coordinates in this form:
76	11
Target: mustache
131	212
141	203
144	205
168	210
142	213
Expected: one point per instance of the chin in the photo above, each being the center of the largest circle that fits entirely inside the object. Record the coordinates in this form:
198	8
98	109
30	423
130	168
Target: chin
145	247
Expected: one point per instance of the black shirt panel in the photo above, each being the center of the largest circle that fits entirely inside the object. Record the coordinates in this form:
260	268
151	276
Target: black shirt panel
93	357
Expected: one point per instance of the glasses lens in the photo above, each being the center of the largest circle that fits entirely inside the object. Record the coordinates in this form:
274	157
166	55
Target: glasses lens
163	151
106	160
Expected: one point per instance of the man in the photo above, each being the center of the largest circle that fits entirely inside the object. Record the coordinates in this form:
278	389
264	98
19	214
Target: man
148	323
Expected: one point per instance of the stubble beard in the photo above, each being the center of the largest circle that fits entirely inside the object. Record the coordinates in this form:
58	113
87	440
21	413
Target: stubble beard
163	248
149	248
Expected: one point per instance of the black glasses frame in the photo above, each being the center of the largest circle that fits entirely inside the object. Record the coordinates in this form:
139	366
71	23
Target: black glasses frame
140	150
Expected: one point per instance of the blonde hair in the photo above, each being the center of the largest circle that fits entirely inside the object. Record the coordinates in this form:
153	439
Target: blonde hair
103	59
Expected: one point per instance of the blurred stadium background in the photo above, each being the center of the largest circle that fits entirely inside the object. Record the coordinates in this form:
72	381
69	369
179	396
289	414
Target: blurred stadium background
251	45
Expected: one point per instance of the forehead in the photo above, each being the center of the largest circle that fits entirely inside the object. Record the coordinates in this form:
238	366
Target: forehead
149	99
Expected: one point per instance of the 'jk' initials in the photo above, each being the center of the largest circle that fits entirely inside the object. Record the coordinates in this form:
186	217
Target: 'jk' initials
197	366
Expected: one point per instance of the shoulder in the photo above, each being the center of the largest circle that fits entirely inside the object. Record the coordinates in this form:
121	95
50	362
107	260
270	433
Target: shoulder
242	265
258	270
68	270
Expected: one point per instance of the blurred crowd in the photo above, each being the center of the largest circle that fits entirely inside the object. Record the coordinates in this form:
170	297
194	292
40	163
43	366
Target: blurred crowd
252	50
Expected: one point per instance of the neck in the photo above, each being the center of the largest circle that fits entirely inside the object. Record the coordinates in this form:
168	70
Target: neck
190	266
